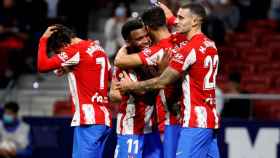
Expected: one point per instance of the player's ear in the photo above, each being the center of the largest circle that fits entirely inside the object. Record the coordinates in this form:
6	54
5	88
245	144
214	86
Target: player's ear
127	42
196	20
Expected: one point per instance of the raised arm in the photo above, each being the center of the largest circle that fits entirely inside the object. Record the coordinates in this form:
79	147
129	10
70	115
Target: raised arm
44	63
125	60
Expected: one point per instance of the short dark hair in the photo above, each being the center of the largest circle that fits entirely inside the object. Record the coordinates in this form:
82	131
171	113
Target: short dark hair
196	9
60	38
154	17
129	26
12	106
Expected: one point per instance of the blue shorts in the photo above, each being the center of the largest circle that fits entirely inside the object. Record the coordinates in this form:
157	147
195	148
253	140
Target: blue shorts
139	146
89	141
170	140
197	143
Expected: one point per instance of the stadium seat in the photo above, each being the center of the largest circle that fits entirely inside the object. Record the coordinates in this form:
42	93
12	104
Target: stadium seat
256	56
267	110
267	39
267	24
62	108
240	36
275	53
255	84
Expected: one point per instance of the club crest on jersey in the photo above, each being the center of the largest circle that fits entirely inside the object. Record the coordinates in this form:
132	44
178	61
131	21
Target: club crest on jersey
178	58
147	52
63	56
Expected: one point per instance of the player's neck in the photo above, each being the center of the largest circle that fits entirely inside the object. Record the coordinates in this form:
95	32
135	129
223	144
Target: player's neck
193	32
160	34
75	40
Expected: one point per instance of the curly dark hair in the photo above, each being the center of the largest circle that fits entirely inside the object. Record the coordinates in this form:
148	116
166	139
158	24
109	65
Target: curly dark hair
130	26
61	37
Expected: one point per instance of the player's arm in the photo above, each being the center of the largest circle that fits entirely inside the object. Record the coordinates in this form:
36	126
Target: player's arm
114	94
44	63
168	76
125	60
170	18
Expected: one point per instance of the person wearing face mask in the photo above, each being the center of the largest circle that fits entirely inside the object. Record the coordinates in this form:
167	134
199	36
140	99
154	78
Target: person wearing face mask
14	134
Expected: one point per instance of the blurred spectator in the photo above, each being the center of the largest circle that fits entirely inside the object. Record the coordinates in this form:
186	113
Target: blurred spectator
14	134
275	10
112	31
260	9
68	12
236	108
228	13
14	28
11	21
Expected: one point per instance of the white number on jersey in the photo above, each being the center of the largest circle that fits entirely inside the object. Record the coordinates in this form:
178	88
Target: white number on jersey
210	63
102	63
131	144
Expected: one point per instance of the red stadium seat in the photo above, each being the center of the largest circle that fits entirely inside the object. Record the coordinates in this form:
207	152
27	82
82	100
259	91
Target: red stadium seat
243	45
275	53
267	110
256	56
62	108
267	24
267	39
239	67
255	84
241	37
268	69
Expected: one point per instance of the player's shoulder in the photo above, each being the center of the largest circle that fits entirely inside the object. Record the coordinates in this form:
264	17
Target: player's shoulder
94	48
196	42
151	50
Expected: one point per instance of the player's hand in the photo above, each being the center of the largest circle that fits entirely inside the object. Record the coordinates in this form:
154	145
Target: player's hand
50	30
126	84
62	71
163	63
168	13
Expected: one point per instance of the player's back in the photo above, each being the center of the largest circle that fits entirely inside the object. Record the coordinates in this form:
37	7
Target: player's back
203	72
93	70
88	81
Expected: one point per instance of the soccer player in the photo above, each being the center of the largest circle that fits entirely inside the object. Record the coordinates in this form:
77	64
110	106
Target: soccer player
136	126
197	64
164	43
88	80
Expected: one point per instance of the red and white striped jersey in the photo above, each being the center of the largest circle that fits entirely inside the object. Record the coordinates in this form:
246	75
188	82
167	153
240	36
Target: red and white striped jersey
197	62
88	79
136	113
169	95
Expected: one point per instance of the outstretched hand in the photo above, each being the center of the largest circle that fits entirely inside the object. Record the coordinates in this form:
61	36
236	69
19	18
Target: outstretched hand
50	30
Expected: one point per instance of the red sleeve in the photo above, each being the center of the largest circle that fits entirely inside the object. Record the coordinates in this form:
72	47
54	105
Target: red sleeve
150	56
171	21
44	63
184	58
177	63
